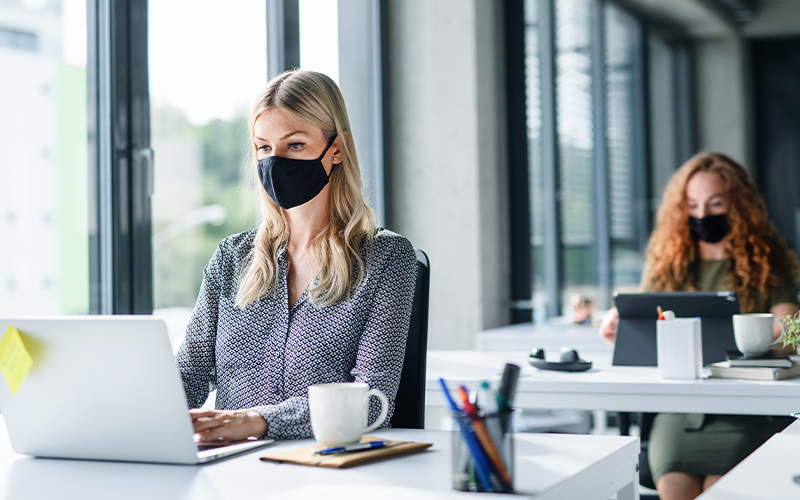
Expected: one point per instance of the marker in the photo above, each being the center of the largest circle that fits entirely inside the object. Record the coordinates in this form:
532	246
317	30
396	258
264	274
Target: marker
351	447
508	385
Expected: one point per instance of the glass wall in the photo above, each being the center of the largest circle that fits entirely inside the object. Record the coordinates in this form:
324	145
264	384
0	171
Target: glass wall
670	121
622	67
201	91
43	139
574	115
616	139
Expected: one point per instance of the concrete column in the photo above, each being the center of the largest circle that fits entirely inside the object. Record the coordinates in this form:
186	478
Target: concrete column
723	111
448	165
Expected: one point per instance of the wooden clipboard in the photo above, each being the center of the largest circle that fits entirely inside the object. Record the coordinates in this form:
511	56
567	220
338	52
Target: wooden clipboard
305	456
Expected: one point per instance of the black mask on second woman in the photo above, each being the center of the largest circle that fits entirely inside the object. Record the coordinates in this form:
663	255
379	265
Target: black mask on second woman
291	182
710	229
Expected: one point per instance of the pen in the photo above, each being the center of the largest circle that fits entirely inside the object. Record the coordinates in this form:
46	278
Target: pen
351	447
482	468
485	440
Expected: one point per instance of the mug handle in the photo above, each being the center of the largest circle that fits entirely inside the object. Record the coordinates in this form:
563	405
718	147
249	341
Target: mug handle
384	408
783	331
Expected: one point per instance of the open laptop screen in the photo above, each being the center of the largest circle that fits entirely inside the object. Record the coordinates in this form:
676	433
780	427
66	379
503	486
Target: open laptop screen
102	388
636	332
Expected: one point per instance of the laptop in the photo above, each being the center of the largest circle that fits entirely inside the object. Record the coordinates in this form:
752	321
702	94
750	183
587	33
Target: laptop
103	388
636	331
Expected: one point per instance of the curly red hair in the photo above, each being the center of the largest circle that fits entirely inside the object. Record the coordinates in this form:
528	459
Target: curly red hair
757	252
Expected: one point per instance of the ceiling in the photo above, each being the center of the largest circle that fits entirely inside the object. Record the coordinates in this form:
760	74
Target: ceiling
708	19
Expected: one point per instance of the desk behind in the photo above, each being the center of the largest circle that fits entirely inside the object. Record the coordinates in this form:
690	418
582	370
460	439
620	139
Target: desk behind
548	336
611	388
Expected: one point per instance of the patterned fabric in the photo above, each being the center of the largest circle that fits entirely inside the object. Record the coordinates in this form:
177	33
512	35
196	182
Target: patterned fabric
266	356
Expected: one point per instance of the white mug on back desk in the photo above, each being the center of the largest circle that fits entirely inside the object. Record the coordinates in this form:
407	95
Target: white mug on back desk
753	332
339	412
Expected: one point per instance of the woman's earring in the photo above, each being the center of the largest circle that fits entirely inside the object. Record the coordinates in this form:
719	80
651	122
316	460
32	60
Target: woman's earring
335	159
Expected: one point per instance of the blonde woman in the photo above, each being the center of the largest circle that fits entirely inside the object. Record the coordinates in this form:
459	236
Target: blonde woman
316	294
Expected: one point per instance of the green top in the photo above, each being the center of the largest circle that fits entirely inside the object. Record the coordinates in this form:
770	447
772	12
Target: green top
713	277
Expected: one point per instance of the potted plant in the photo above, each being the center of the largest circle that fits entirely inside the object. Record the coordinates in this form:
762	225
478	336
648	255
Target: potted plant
792	335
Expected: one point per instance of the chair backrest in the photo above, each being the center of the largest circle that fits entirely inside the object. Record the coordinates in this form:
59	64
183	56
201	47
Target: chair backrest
409	404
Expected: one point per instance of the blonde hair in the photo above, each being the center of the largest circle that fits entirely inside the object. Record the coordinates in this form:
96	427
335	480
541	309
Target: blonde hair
339	265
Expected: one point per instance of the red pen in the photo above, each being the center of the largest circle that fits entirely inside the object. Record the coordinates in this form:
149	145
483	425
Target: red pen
483	437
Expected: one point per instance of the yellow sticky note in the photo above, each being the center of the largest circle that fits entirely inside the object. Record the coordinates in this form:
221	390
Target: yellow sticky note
15	362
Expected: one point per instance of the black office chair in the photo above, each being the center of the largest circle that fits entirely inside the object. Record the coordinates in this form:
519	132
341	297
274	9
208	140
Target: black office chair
409	404
645	421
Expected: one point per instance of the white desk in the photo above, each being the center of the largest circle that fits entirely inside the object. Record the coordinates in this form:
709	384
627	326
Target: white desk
548	336
611	388
547	467
769	472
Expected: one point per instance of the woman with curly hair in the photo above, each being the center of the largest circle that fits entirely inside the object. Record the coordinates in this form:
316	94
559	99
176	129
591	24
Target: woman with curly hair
712	234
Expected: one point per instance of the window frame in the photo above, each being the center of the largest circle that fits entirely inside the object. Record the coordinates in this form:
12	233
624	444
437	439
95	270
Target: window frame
120	159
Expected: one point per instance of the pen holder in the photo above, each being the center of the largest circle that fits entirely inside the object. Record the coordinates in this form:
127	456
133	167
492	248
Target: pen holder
483	452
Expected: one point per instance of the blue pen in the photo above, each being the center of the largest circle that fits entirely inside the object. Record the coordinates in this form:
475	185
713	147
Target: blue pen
351	447
481	466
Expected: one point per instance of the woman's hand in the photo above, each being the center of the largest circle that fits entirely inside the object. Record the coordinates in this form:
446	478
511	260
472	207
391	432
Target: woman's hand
227	425
608	327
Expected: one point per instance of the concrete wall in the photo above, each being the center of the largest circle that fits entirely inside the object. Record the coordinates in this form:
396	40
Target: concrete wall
724	75
723	96
448	164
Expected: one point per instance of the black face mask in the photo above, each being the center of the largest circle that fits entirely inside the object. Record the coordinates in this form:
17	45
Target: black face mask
710	229
291	182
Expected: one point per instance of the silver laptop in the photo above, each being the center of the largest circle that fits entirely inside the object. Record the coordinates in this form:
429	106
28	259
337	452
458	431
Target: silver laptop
103	388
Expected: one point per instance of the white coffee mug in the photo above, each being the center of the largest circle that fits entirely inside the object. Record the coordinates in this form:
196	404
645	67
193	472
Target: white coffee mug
339	412
753	332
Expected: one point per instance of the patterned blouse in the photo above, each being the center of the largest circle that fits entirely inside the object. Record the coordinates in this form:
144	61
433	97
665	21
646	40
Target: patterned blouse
265	356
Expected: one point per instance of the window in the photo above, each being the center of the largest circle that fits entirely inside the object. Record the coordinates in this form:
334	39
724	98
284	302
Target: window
626	171
670	118
200	134
591	164
90	225
199	107
43	137
574	122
